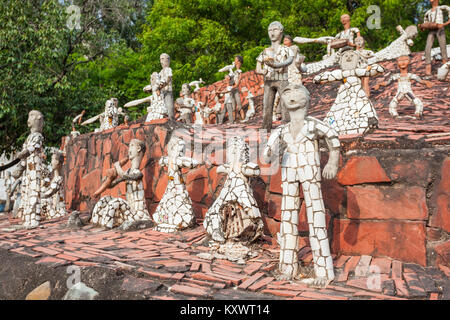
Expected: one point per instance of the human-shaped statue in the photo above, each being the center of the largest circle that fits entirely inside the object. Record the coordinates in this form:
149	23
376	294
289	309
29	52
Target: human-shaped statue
364	56
434	23
295	68
53	205
186	106
251	105
32	171
273	63
228	101
234	216
157	108
236	81
352	112
404	87
109	118
348	33
217	109
301	166
165	84
174	211
112	212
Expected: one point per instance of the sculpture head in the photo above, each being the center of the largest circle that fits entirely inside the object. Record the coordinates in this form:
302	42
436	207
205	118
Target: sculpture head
185	90
35	121
237	151
57	159
403	62
136	148
296	97
411	32
345	20
275	31
165	60
238	61
287	41
154	81
360	42
175	147
349	60
434	3
111	103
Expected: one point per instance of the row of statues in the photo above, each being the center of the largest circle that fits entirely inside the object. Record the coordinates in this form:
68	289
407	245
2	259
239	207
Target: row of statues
234	220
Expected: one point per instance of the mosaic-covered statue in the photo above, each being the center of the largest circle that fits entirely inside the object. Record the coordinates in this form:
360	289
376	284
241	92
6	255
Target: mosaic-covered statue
53	205
300	166
352	112
174	211
235	217
109	118
112	212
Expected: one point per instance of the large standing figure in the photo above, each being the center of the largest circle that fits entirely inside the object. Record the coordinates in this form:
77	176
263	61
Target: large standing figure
273	63
434	18
301	166
53	205
165	81
32	171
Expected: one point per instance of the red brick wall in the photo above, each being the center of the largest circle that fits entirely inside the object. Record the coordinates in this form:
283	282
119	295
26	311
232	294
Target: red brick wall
387	202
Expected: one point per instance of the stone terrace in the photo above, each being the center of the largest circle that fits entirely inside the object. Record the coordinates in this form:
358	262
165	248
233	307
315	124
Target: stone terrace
151	265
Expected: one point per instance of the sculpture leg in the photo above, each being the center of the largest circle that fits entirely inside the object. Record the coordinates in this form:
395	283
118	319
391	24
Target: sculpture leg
315	210
168	101
269	99
290	207
419	107
393	107
229	107
442	44
429	45
213	225
284	113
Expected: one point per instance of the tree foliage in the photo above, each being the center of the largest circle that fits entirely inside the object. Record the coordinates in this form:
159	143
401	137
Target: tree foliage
47	66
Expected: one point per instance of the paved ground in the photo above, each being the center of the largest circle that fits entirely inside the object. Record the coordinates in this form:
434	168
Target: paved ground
168	265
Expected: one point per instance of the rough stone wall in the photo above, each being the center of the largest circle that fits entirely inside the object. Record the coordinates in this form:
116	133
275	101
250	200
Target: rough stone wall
384	202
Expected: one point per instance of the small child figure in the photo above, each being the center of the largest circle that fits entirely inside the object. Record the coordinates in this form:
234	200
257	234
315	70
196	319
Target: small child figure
301	166
53	205
352	112
404	87
112	212
251	105
174	211
235	215
228	102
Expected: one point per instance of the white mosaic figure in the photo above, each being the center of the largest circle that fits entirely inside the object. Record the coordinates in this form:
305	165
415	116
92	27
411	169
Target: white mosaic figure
157	108
301	166
196	84
295	68
109	118
198	113
53	205
251	105
174	211
352	112
235	216
32	170
404	87
399	47
186	104
165	84
228	101
112	212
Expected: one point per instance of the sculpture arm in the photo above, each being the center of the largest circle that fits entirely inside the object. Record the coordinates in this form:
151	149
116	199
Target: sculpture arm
222	168
53	188
250	170
138	102
332	141
260	69
283	64
273	139
327	76
187	162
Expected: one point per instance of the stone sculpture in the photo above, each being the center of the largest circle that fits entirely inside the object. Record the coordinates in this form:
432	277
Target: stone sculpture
234	217
352	112
109	118
174	211
251	105
301	166
273	63
112	212
53	205
157	108
348	33
165	84
186	104
404	87
196	84
399	47
32	169
434	23
228	101
295	68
